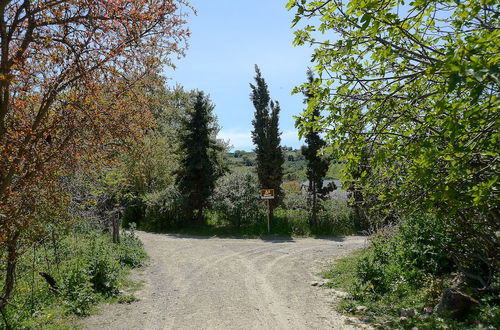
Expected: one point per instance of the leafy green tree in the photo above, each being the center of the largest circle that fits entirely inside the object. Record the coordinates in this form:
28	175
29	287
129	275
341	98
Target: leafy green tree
317	165
415	86
148	165
202	161
239	153
266	137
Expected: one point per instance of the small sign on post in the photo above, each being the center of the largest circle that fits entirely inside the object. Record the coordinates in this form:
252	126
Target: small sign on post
267	194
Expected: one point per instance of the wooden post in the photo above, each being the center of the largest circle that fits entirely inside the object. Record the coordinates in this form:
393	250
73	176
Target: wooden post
268	216
116	227
268	194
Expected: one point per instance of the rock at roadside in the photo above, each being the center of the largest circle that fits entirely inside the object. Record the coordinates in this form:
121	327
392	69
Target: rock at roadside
361	309
340	294
456	303
407	313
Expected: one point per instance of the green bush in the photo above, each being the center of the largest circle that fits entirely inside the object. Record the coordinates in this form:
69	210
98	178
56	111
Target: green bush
103	267
130	252
416	249
335	218
408	268
290	222
97	257
86	266
77	290
163	209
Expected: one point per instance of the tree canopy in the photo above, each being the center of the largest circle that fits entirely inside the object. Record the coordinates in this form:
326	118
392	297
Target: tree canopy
413	87
266	137
201	162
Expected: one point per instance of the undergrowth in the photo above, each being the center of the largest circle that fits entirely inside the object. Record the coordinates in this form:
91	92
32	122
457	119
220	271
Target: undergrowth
87	268
397	282
336	219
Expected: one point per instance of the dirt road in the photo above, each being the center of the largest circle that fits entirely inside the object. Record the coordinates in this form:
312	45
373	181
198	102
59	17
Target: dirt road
214	283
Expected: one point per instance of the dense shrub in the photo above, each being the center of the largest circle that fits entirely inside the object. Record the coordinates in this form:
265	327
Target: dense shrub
130	251
236	199
294	198
102	266
416	249
335	218
163	208
291	222
77	290
408	268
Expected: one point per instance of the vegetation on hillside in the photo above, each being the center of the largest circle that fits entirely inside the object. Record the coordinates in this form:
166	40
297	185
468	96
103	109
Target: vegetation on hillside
294	167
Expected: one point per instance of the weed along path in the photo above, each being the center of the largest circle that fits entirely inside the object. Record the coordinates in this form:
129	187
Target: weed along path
222	283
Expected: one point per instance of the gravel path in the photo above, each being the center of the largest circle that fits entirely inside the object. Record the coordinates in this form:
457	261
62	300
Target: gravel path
222	283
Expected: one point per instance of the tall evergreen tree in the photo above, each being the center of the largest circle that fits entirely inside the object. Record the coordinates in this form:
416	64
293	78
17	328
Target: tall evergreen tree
202	160
317	166
266	137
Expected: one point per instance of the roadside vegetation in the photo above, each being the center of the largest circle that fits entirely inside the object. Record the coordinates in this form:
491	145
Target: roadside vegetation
398	282
409	98
188	182
61	278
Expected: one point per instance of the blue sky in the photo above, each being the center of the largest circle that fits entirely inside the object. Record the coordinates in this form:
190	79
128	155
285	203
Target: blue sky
228	38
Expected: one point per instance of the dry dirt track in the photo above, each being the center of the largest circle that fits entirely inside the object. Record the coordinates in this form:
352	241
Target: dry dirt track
222	283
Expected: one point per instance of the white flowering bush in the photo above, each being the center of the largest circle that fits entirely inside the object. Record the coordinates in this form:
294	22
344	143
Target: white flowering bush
236	199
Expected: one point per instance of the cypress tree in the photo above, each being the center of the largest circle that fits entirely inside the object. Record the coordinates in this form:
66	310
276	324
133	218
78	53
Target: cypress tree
266	137
202	161
317	166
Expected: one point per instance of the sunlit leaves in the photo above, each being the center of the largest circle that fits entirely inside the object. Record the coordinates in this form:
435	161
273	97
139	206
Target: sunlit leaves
416	86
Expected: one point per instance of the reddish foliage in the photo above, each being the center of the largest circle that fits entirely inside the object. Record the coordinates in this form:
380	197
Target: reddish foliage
71	76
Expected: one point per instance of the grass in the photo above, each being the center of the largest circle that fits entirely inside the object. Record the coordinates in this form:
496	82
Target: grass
343	273
126	299
291	220
285	224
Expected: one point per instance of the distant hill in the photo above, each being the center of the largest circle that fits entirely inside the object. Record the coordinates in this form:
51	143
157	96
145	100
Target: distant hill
295	164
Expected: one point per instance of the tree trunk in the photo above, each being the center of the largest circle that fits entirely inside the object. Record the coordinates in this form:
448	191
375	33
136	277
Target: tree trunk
10	273
315	206
312	194
199	215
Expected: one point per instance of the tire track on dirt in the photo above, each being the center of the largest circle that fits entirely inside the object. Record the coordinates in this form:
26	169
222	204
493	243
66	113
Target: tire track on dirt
221	283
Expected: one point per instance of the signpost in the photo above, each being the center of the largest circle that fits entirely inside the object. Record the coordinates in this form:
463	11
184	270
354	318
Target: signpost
267	194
